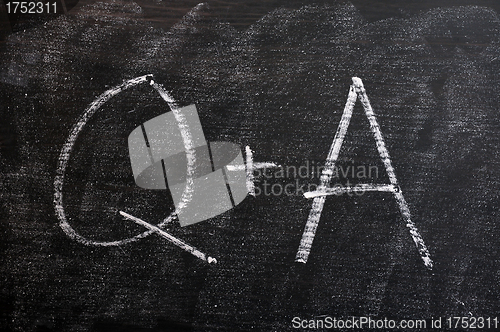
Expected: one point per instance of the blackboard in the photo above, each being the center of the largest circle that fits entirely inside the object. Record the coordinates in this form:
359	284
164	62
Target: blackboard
273	76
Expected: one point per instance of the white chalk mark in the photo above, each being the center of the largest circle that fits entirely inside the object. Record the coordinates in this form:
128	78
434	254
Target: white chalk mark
463	304
384	154
255	166
249	165
265	165
181	244
357	188
64	158
357	90
187	195
326	175
70	142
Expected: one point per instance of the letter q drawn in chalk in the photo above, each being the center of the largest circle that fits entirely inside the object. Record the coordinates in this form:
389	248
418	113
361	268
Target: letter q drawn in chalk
168	151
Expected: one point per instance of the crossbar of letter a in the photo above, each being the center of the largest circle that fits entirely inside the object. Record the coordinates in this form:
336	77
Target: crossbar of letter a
356	91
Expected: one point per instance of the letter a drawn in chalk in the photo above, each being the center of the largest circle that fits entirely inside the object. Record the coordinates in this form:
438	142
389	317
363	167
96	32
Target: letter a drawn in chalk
356	91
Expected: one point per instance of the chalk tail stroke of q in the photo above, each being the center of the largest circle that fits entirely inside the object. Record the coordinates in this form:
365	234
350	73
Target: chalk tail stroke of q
178	242
357	90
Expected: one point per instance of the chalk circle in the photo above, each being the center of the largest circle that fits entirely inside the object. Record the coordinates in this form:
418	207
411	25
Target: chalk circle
70	142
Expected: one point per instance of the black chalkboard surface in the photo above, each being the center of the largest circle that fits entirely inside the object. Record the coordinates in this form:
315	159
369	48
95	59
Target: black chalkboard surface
400	166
